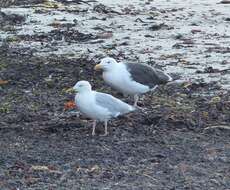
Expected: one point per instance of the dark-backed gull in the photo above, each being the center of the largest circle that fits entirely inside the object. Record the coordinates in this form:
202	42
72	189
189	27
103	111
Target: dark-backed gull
131	78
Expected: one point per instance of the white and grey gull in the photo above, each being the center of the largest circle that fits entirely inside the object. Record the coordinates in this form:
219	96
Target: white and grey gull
131	78
98	106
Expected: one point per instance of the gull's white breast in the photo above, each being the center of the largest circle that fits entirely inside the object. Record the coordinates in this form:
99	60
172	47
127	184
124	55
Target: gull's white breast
120	79
87	105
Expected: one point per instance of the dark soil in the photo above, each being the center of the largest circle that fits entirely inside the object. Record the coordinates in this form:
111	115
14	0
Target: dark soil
179	139
165	146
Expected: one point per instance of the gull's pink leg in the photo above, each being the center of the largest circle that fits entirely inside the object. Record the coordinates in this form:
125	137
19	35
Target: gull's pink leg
136	98
106	128
94	126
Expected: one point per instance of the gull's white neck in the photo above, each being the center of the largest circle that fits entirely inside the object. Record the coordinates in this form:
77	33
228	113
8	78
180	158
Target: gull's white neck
84	92
85	97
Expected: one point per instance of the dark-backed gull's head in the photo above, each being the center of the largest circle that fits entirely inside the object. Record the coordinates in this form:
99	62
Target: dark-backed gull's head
82	86
106	64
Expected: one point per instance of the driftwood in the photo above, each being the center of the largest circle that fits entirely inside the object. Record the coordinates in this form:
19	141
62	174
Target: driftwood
218	127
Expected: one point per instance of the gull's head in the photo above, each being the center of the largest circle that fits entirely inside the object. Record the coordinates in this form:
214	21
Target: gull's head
82	86
106	64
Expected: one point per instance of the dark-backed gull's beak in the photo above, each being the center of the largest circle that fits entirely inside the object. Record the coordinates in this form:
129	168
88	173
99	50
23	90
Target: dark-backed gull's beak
70	90
97	67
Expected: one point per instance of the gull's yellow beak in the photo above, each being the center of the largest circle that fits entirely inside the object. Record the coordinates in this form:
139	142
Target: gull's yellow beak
97	67
70	90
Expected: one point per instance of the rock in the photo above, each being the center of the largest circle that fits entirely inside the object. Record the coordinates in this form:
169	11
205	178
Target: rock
225	2
100	8
194	31
156	27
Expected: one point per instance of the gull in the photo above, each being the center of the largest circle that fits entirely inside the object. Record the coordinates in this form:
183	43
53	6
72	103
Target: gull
98	106
131	78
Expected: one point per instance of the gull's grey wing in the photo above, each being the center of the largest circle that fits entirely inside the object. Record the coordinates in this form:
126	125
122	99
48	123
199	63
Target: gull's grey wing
147	75
114	105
